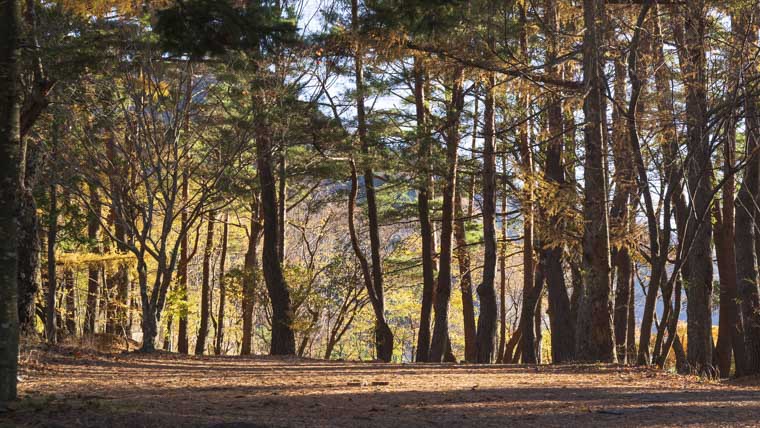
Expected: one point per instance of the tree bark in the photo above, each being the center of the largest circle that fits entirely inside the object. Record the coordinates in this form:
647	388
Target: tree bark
283	338
52	236
69	289
28	239
383	334
222	290
250	276
486	291
10	56
746	224
561	322
443	287
465	282
426	227
184	260
93	270
200	343
594	340
699	276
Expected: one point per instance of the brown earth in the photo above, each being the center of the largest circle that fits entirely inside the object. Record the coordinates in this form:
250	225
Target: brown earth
72	387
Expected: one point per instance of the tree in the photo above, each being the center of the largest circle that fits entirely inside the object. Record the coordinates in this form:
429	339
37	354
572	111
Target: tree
594	339
10	54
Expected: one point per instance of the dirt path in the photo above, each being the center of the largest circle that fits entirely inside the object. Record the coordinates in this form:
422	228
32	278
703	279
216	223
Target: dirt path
71	389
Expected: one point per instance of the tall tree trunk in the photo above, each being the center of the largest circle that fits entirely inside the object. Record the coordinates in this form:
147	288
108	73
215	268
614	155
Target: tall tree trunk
10	56
562	324
725	252
465	282
423	207
222	289
282	212
443	287
250	276
28	238
283	338
52	236
69	287
619	212
724	228
486	291
200	343
594	341
699	276
182	336
383	334
746	223
500	358
93	270
526	160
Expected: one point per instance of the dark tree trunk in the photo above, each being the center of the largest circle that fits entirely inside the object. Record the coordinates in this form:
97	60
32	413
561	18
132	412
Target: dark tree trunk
465	284
70	318
426	227
594	341
699	276
724	228
93	270
28	240
200	343
561	321
383	334
500	358
529	265
10	56
527	319
250	276
486	292
222	290
52	236
745	240
283	339
443	287
619	212
184	260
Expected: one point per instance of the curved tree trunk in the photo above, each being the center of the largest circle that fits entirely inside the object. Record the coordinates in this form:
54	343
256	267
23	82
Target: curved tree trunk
383	334
443	287
426	227
486	292
283	339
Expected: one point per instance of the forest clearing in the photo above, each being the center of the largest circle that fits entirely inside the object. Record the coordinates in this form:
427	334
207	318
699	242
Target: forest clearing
379	212
75	387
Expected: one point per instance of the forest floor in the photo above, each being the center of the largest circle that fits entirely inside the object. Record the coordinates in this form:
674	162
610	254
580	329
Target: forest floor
75	387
